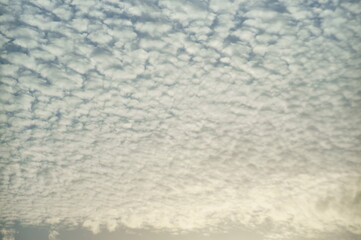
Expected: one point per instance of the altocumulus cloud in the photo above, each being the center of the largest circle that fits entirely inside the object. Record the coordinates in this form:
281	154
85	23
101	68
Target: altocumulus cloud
181	115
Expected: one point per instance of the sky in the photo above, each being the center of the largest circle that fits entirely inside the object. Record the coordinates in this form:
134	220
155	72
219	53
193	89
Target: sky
180	119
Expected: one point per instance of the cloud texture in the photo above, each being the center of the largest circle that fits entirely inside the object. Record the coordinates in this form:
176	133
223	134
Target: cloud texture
182	115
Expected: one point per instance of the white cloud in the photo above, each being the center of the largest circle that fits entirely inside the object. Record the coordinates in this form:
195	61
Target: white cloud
53	235
181	116
7	234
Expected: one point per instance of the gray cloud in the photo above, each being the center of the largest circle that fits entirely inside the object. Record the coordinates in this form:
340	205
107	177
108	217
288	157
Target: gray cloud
181	115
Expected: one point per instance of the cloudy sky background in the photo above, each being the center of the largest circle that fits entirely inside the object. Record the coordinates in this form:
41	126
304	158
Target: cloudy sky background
181	117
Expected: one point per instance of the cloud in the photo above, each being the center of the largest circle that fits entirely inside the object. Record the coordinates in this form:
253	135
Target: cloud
53	235
181	116
7	234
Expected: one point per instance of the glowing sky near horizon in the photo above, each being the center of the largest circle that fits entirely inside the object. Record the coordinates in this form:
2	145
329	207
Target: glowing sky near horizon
181	117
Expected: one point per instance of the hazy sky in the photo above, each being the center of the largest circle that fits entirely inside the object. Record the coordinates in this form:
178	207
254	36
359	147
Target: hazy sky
235	119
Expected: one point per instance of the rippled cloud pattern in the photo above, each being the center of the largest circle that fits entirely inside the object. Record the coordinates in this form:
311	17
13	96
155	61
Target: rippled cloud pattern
181	115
